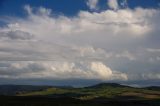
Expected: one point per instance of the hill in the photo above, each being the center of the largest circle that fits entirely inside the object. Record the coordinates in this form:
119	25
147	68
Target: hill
155	88
14	89
110	94
103	85
103	90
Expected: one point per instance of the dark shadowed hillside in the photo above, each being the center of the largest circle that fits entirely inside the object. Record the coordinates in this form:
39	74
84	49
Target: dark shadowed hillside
44	101
14	89
103	85
155	88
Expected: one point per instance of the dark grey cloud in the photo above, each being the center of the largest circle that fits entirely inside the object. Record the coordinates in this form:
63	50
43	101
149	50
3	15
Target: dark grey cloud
16	35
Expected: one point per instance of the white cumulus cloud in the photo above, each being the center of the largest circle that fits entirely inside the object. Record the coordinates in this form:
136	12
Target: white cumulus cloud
92	4
59	70
105	45
113	4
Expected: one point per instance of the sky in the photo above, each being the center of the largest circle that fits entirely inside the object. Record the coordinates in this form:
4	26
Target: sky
80	42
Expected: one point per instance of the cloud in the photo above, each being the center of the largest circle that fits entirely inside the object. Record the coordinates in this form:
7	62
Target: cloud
124	3
92	4
39	11
59	70
16	35
151	76
113	4
153	50
107	45
125	54
106	72
28	9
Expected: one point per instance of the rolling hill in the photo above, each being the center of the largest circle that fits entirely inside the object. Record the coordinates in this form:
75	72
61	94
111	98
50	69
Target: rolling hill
101	94
103	90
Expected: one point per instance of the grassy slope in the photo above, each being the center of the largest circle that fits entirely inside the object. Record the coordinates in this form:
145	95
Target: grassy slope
99	91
